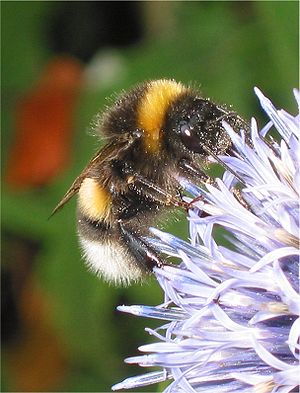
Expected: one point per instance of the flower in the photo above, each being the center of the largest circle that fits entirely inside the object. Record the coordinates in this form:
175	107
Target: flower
232	312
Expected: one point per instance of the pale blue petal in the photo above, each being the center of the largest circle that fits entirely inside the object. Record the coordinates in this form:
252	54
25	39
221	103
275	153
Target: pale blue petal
142	380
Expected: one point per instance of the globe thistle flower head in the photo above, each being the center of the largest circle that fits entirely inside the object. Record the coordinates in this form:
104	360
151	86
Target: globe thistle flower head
231	313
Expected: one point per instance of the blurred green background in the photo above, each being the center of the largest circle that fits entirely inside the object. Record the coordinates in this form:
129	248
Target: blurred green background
60	327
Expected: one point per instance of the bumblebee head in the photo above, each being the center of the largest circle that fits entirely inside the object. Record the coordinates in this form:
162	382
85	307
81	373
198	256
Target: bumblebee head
194	125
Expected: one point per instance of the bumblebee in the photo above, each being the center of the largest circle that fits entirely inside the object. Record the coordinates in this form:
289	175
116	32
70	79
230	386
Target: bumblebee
157	133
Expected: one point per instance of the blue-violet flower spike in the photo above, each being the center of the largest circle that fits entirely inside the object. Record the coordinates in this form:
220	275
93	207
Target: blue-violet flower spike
231	313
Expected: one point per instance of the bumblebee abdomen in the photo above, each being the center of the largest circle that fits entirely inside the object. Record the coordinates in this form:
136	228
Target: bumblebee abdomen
110	259
106	252
94	200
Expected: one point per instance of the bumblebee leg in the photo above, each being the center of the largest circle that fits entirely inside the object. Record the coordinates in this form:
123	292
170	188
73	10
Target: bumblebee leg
160	195
141	251
238	195
193	171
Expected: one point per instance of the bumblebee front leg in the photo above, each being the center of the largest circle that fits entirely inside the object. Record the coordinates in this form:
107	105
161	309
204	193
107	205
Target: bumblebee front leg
193	171
157	193
139	249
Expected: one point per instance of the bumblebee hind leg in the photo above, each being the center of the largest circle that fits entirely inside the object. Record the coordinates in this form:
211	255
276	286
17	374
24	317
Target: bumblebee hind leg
140	250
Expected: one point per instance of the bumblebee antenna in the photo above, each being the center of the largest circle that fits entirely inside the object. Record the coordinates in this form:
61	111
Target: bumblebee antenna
231	114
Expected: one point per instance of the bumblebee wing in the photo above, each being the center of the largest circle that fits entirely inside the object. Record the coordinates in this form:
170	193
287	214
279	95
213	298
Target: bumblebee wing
109	152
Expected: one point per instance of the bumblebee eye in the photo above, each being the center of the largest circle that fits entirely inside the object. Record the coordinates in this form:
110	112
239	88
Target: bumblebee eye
184	128
188	134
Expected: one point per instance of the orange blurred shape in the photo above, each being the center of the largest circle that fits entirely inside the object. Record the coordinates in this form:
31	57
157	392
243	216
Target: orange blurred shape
44	117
